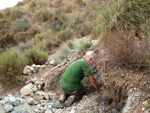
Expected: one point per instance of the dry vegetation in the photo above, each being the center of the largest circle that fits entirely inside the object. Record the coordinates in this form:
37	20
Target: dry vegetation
46	24
125	51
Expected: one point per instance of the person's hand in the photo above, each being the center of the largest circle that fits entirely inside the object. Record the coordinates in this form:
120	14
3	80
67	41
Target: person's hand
100	89
86	86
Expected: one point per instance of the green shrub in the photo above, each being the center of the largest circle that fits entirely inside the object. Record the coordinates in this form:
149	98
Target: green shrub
58	3
145	28
46	40
70	44
65	34
58	12
38	4
21	24
40	40
42	15
23	36
68	8
24	46
60	15
40	36
148	105
32	5
14	13
76	46
63	17
42	45
64	51
84	29
78	2
36	56
77	18
5	23
85	45
12	64
7	40
1	15
57	59
52	41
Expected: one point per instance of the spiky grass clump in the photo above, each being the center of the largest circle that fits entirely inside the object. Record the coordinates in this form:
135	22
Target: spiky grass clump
58	3
65	34
123	15
14	13
79	2
36	56
11	66
5	23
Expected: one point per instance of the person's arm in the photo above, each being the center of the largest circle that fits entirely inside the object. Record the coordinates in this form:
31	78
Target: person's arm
93	81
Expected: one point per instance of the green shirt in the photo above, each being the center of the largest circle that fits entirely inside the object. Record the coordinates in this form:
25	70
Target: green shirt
74	74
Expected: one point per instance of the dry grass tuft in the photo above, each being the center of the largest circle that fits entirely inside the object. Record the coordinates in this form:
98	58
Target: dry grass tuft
124	50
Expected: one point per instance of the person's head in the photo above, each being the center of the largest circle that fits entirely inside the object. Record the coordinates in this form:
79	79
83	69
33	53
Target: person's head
90	57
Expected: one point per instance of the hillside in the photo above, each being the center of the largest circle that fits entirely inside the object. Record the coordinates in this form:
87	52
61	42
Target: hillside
39	39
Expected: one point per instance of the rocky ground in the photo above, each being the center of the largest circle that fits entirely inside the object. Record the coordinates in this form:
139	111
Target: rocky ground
33	99
125	91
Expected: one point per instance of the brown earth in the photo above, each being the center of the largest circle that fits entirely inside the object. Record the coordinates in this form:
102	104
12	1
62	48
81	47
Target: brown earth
116	81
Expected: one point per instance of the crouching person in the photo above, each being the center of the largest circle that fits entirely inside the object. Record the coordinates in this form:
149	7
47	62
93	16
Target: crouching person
71	83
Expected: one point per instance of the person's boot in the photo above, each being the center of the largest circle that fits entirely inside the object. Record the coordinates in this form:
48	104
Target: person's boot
70	101
62	98
60	103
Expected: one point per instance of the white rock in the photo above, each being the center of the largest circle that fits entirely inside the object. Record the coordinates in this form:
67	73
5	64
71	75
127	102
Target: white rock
51	94
30	101
137	94
38	66
27	89
42	79
42	66
130	90
27	70
145	102
2	102
143	109
9	97
47	63
48	110
42	93
52	62
34	88
33	65
72	111
38	105
94	42
8	107
39	86
34	79
38	82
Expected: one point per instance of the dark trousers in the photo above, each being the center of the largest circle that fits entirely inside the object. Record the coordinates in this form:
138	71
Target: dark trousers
78	93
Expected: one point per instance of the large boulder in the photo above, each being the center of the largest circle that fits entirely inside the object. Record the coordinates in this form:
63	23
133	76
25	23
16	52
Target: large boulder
25	108
27	90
